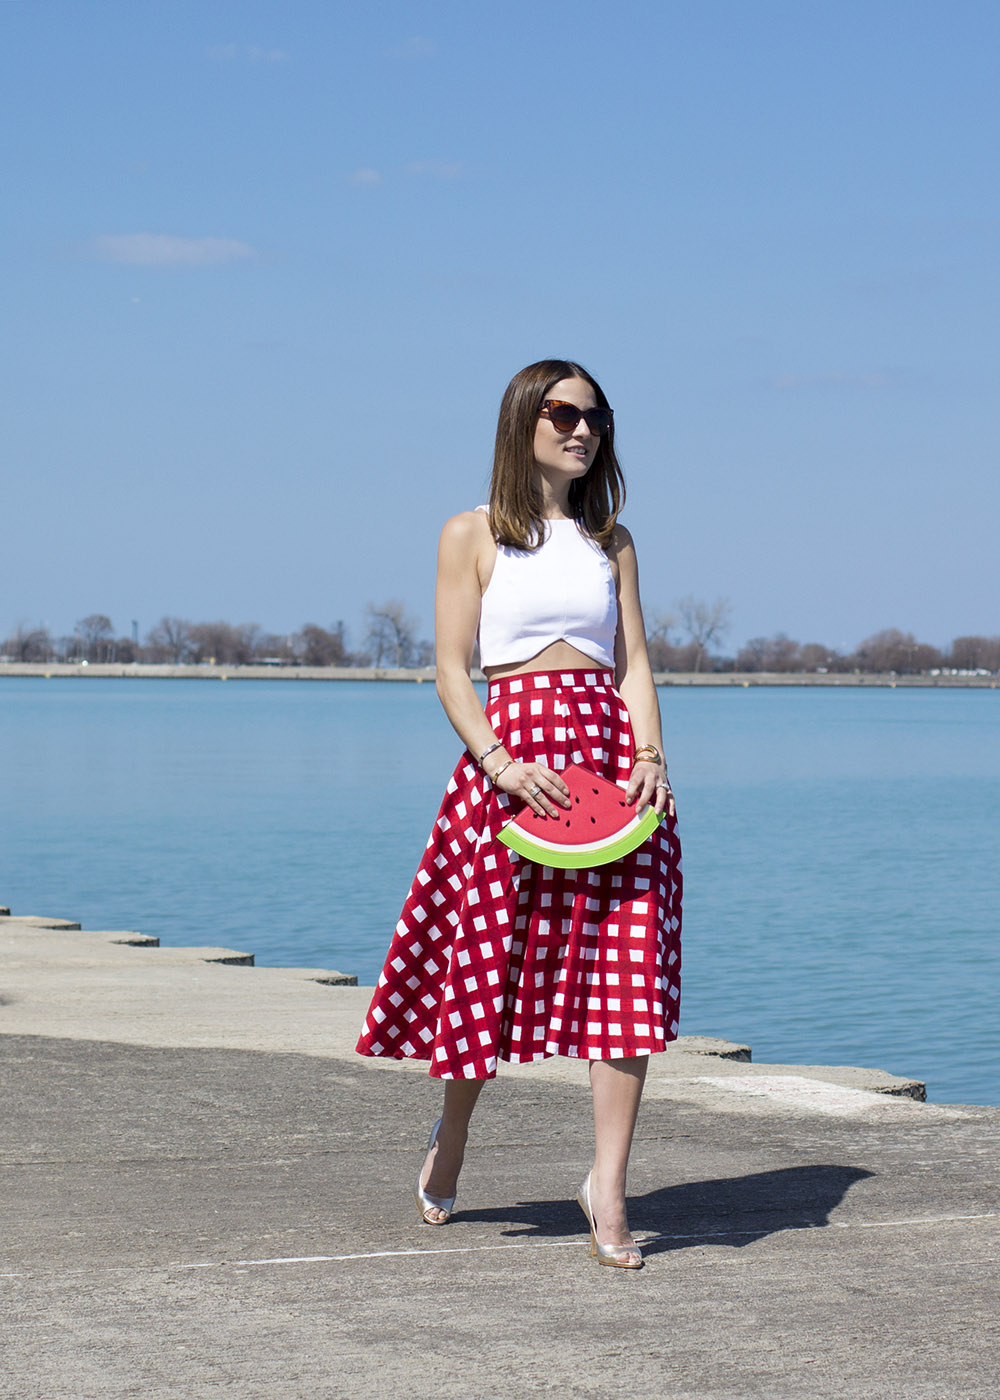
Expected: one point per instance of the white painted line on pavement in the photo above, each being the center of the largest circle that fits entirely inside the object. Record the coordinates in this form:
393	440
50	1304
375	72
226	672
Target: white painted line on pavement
378	1254
565	1244
917	1220
762	1232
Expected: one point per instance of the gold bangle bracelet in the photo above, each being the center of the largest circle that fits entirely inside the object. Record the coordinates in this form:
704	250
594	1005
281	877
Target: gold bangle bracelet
503	767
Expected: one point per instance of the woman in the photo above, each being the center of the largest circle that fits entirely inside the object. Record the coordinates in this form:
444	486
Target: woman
494	956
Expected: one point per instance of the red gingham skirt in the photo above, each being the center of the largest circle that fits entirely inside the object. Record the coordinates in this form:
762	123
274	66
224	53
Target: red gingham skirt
495	957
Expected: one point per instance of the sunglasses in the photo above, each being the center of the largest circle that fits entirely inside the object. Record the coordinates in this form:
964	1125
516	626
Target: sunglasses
565	416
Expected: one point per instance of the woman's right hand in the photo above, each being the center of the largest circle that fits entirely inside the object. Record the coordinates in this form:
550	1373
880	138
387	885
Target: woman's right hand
543	791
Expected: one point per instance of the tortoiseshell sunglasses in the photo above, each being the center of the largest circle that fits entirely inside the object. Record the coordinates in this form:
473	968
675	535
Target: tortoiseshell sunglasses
565	416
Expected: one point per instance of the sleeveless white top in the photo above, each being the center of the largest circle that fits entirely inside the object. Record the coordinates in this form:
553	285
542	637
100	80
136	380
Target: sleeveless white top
564	591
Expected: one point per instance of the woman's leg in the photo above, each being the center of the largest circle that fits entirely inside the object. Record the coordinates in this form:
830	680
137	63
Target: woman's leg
444	1161
617	1088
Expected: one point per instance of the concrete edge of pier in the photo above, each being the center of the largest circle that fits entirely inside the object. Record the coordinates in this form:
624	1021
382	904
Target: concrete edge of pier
122	986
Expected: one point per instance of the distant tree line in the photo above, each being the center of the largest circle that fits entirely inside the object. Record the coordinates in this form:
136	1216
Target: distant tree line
889	650
885	651
687	639
390	640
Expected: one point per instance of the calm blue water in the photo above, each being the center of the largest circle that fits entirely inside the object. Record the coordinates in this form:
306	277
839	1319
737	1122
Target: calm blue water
840	846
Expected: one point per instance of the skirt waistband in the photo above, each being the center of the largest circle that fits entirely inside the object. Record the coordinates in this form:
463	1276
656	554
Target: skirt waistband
599	678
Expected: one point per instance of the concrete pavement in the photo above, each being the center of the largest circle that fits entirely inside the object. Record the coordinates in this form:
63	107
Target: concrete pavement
201	1205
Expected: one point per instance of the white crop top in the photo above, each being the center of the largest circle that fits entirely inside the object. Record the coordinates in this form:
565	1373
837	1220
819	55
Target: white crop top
564	591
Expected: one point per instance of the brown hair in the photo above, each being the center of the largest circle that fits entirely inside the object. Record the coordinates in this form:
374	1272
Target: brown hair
515	500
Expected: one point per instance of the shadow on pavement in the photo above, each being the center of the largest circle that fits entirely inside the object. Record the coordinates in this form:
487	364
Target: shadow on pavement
733	1210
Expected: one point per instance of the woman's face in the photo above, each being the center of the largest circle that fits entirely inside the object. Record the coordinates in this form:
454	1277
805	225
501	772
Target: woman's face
567	454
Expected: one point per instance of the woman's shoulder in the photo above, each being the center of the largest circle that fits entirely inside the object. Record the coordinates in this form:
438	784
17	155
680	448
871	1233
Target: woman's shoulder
621	540
621	554
470	529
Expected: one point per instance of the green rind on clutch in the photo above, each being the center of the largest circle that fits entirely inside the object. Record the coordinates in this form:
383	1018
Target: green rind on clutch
583	855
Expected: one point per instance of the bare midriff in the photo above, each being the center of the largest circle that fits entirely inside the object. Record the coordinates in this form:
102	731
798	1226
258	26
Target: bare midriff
558	656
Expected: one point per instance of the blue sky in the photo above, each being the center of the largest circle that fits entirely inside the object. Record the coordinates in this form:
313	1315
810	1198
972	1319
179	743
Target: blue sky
269	266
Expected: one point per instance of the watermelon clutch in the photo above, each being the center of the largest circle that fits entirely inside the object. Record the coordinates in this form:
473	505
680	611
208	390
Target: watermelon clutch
597	828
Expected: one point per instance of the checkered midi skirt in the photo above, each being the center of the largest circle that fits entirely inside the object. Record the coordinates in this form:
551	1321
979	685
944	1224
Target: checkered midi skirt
495	957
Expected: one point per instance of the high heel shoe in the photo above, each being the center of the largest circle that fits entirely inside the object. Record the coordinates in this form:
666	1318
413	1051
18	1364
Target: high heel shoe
426	1202
619	1256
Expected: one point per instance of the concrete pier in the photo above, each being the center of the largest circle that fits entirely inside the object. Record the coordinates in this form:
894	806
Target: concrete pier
218	671
206	1193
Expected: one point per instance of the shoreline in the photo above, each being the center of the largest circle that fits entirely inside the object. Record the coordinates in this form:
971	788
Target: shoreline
123	987
418	675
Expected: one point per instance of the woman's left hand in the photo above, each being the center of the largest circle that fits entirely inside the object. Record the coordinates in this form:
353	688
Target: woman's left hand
649	787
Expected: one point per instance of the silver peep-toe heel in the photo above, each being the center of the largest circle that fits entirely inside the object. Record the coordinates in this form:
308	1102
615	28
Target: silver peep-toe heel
424	1200
619	1256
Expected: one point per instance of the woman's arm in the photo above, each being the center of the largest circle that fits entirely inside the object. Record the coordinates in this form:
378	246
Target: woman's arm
464	553
634	678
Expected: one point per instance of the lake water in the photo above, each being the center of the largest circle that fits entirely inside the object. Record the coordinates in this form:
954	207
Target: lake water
840	846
